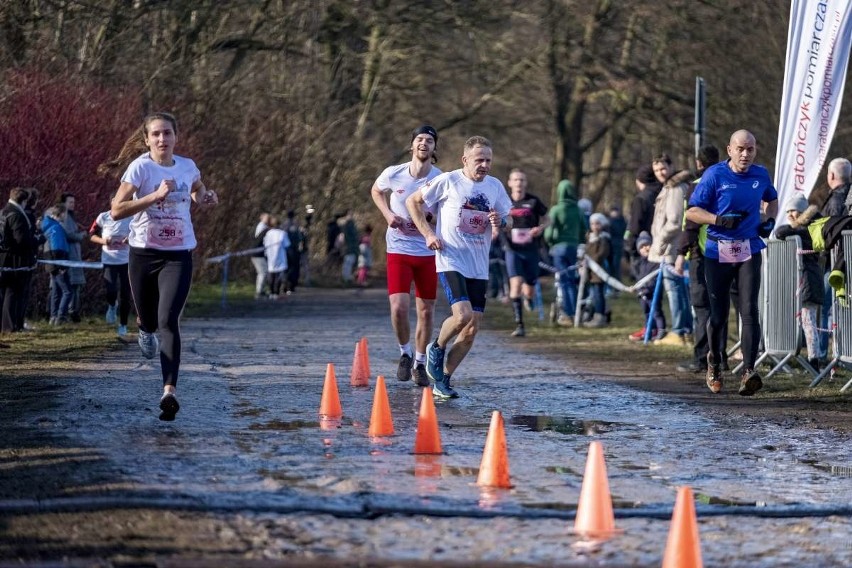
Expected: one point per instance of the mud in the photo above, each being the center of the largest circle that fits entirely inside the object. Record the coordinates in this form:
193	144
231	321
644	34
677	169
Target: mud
245	475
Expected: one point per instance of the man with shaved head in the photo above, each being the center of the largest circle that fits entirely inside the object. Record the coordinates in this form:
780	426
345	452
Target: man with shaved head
729	199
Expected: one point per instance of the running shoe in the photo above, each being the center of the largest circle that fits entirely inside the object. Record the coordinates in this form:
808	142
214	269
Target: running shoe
149	344
418	373
519	331
110	315
435	363
714	379
122	330
403	372
443	389
751	383
168	407
637	335
565	321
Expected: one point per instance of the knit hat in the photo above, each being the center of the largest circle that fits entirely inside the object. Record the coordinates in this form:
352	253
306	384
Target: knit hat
796	202
585	206
599	218
425	129
643	239
645	174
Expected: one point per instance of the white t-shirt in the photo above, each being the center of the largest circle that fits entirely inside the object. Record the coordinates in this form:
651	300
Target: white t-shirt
398	181
119	251
166	225
463	226
276	243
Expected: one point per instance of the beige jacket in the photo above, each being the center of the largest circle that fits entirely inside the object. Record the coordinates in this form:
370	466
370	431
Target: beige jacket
668	221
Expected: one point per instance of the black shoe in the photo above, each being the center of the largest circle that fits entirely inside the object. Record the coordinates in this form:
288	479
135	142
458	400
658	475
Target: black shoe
751	383
418	373
519	331
169	407
725	366
692	367
403	372
814	363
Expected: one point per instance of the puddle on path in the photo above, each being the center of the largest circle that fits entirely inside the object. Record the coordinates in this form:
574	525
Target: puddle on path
564	425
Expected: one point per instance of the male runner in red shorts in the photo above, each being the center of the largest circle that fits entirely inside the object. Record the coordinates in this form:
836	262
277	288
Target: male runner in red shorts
408	258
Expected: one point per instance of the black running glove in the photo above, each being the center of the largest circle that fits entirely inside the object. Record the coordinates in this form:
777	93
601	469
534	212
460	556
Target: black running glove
729	220
765	228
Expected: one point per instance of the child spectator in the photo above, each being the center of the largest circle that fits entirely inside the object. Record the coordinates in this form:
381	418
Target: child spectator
811	287
598	246
365	255
641	268
56	248
276	242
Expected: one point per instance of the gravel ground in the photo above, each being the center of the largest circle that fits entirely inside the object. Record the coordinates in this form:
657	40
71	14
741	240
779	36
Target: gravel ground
245	476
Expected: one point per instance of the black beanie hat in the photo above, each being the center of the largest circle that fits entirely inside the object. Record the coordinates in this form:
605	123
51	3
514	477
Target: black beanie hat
425	129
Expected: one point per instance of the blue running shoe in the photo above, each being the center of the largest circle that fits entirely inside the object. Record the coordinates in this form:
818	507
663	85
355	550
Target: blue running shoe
443	389
435	363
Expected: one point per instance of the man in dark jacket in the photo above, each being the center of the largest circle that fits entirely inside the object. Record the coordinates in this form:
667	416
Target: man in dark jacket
642	207
18	244
691	247
838	177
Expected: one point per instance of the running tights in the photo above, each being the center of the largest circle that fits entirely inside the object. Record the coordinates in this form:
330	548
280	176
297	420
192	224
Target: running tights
160	282
118	289
746	276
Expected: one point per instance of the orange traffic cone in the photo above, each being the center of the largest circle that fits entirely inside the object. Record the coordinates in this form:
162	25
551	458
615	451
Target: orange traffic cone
494	468
595	518
428	438
365	357
381	422
330	404
358	377
683	548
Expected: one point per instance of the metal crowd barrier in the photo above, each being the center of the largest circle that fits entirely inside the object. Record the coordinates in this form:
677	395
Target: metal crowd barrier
780	323
842	315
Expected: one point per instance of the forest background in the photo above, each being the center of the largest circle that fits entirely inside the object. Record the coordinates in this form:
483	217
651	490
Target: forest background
285	104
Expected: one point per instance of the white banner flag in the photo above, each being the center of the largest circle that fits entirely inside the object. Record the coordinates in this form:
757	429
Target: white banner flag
817	59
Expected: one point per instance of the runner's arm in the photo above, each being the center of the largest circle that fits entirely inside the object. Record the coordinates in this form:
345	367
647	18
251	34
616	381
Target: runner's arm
123	204
394	221
414	204
701	216
202	195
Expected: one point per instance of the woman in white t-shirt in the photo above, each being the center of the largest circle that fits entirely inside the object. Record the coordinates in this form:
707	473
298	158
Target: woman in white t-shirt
157	189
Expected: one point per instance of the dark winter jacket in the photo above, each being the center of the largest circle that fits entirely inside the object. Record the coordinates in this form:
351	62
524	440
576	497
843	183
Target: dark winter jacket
812	286
641	214
640	269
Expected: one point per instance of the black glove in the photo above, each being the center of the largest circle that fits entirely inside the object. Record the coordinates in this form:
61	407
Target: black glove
765	228
730	220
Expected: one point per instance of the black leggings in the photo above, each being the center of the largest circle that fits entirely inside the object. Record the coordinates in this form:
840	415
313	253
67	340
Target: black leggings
118	289
719	277
160	282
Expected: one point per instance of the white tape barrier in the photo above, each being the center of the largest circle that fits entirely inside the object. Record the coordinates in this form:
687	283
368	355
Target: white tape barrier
227	255
606	277
65	263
